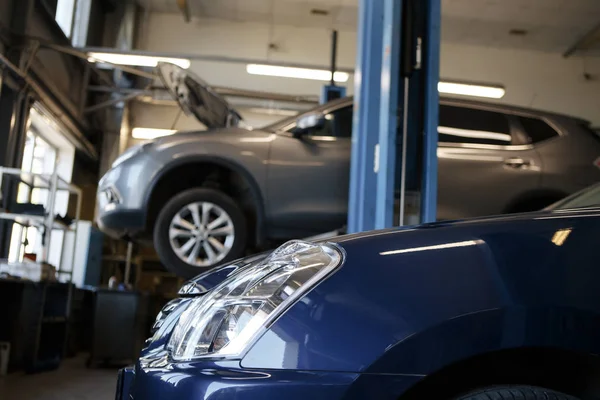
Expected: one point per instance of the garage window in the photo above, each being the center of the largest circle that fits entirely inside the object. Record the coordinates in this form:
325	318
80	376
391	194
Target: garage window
537	130
46	151
342	126
472	126
73	18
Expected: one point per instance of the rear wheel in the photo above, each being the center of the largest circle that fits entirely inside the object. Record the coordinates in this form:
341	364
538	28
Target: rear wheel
516	393
198	229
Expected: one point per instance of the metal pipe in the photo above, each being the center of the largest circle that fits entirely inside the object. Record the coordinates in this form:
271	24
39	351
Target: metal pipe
223	91
128	263
76	229
115	89
334	38
404	152
83	93
78	54
83	55
431	52
254	94
211	58
49	220
111	102
185	10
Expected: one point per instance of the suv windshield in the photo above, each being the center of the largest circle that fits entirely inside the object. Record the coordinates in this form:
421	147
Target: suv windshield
586	198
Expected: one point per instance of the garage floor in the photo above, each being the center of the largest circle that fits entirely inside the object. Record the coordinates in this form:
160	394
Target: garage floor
72	381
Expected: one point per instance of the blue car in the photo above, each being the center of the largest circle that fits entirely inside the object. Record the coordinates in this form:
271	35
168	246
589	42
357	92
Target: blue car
493	308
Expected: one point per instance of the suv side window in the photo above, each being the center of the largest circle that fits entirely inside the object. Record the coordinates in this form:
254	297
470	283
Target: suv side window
342	122
470	125
537	130
338	124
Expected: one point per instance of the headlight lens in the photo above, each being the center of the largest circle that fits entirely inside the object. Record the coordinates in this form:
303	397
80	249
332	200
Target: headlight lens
225	321
164	313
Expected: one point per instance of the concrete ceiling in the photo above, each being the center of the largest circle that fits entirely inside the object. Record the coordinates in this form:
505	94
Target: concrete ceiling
549	25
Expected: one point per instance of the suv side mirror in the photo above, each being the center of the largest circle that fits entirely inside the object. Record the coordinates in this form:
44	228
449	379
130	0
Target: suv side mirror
308	122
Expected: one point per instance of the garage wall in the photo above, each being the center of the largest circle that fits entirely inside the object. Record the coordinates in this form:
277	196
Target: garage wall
168	33
532	79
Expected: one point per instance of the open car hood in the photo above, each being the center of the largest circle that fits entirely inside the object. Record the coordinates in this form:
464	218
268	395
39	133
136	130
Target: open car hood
197	98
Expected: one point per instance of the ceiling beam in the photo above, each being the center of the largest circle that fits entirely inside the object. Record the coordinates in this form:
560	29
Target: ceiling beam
582	41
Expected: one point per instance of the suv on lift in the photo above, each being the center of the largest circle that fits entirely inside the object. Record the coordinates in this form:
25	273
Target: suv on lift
204	197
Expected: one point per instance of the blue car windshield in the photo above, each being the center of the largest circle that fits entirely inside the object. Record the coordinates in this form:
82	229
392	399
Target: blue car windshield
589	197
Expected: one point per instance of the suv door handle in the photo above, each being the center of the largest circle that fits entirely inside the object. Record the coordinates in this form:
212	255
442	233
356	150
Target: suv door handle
516	162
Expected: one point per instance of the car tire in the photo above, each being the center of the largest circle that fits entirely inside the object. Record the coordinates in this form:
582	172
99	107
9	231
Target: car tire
516	392
181	234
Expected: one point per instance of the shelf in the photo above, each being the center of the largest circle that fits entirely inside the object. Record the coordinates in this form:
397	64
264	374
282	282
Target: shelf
39	181
32	220
46	219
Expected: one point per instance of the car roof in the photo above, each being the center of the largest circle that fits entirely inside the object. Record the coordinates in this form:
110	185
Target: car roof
469	102
506	108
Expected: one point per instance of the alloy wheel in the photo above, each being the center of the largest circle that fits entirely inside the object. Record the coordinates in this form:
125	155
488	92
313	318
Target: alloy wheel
201	234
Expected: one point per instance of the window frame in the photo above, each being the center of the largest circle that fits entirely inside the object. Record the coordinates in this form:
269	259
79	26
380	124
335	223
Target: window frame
285	129
515	127
547	121
73	18
511	130
20	231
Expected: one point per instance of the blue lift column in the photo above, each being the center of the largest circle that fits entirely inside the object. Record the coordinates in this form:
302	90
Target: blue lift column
365	124
394	140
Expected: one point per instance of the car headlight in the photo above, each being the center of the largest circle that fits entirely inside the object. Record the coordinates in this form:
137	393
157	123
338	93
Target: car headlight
226	320
164	313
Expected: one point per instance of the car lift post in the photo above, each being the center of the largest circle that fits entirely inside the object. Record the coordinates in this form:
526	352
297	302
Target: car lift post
398	53
367	84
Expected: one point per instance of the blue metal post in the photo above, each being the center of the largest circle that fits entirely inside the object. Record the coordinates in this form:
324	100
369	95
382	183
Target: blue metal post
431	52
367	81
388	117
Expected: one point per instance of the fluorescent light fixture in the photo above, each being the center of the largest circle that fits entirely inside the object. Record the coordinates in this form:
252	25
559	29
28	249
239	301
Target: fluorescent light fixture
467	89
150	133
299	73
136	60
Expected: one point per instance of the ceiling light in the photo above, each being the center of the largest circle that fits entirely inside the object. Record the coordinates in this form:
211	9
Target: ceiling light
136	60
466	89
150	133
299	73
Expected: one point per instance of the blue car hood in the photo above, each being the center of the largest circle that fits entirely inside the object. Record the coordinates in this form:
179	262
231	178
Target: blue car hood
203	283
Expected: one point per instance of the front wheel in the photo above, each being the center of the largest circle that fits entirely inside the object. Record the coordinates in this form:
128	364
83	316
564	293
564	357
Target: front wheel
198	229
516	392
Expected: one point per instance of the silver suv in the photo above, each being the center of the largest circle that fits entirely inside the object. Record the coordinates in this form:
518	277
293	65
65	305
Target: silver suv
207	196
